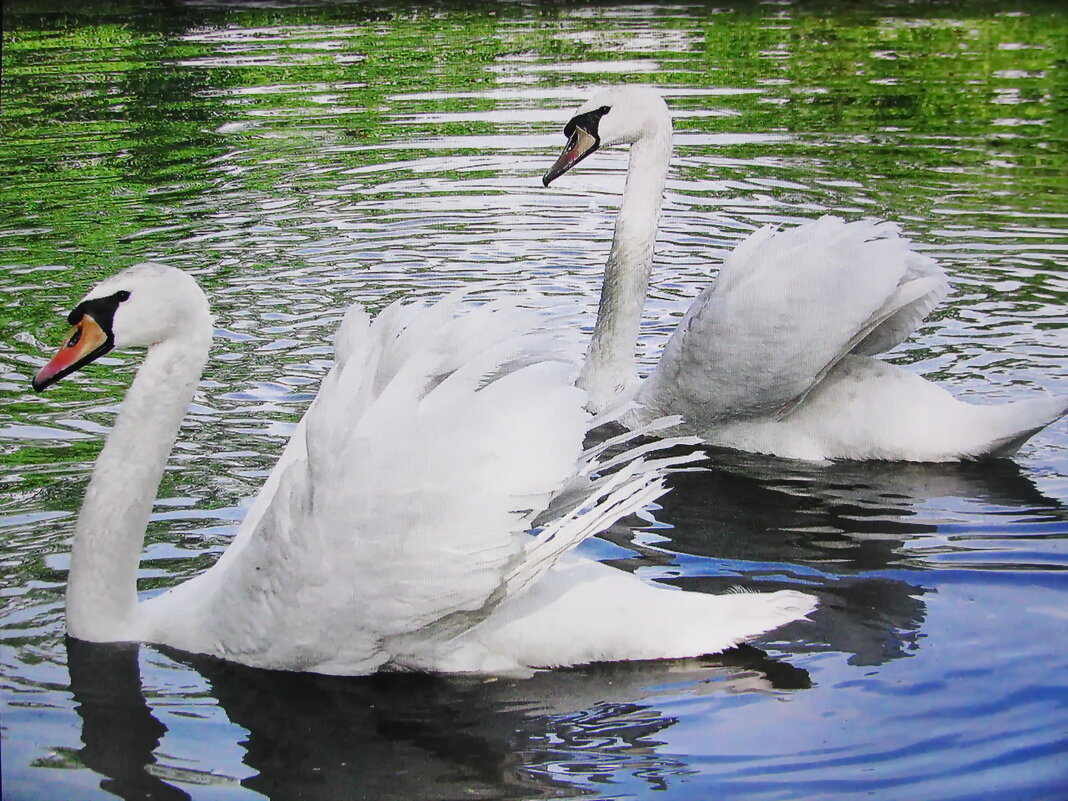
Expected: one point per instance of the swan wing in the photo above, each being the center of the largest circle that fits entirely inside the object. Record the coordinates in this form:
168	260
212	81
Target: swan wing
785	308
404	507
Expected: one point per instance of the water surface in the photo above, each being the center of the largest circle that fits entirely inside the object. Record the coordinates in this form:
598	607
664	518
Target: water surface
298	157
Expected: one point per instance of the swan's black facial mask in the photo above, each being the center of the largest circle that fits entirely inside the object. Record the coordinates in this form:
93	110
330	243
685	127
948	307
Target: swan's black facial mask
582	139
89	338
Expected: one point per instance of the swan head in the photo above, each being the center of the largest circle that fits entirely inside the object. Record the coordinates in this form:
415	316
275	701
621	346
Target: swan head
616	116
138	307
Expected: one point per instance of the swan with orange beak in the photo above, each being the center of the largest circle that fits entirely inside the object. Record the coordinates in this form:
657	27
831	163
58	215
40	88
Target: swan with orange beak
397	529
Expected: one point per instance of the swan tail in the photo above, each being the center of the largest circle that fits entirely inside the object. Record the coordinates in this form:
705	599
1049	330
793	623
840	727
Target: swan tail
716	624
584	612
962	431
873	410
673	624
724	621
1015	423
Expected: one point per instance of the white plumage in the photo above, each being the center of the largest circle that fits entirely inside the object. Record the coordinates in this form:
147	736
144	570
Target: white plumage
420	518
777	354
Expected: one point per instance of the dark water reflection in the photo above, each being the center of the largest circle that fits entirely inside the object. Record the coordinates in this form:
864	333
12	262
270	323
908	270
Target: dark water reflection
408	736
862	515
854	533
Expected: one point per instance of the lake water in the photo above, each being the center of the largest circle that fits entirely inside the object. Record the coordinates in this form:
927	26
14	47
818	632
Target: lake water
298	156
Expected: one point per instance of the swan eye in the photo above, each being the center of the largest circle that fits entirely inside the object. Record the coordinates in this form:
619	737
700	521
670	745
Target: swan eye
122	295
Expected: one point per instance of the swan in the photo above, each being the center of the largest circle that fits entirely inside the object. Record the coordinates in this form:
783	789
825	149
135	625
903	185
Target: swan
777	356
421	517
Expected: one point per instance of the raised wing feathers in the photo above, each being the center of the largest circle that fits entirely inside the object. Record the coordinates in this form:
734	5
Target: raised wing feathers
784	309
434	443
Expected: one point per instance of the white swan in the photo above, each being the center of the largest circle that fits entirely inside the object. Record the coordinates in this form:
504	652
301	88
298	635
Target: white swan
776	356
397	529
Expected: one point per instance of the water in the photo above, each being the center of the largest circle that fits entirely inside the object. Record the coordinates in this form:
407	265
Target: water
297	157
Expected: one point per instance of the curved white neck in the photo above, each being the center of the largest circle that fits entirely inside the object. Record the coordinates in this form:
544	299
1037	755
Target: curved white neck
109	535
609	371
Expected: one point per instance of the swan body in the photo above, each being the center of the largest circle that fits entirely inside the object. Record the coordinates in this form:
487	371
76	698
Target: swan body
778	354
421	517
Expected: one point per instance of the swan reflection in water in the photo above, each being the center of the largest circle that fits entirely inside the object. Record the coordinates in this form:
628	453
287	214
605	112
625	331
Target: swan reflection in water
853	533
406	736
848	531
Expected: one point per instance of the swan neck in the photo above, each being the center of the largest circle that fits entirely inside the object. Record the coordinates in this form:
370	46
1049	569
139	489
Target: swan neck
610	362
109	534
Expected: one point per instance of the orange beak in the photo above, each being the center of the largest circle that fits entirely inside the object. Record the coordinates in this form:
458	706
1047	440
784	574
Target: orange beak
86	340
